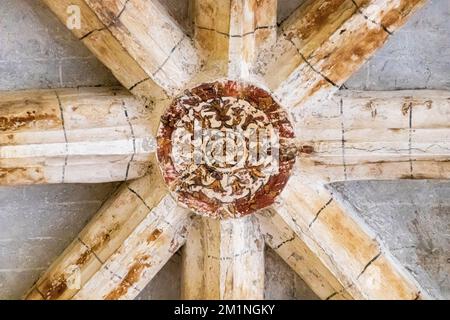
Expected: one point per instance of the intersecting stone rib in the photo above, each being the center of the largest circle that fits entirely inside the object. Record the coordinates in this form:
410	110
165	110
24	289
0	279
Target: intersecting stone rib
224	260
72	136
146	250
97	38
132	205
376	135
344	244
283	240
324	42
234	32
153	38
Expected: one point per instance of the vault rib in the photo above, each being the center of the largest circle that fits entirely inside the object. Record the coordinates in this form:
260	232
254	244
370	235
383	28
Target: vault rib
156	64
152	38
71	135
224	260
290	247
142	254
374	136
132	204
98	38
325	42
233	32
346	245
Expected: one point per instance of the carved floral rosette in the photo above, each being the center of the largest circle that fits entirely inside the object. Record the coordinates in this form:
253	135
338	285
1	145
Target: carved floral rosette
206	149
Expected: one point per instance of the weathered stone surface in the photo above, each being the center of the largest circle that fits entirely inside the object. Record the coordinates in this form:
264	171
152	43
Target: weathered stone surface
83	135
166	284
398	72
223	260
412	219
416	57
38	52
282	283
36	225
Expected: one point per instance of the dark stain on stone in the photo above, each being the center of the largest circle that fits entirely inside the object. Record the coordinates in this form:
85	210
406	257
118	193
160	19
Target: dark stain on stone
21	175
17	122
132	277
154	235
53	289
307	149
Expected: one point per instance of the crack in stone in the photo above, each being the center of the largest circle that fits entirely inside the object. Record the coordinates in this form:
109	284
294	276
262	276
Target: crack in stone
111	23
368	264
138	83
331	258
134	141
410	141
344	163
66	157
139	197
170	54
120	13
91	32
278	246
331	295
320	211
40	292
236	35
371	20
339	292
237	255
122	279
90	249
399	151
309	64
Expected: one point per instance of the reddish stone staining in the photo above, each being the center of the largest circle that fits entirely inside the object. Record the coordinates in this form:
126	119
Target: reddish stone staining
393	18
108	10
53	289
154	235
98	243
315	19
355	46
175	242
307	149
406	108
135	271
99	240
318	20
337	64
131	278
411	103
84	257
316	87
214	189
266	195
21	175
15	122
199	201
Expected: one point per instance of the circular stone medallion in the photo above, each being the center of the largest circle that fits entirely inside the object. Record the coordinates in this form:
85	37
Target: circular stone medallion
224	149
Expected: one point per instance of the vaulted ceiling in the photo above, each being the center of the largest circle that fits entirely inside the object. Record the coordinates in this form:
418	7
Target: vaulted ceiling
335	253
